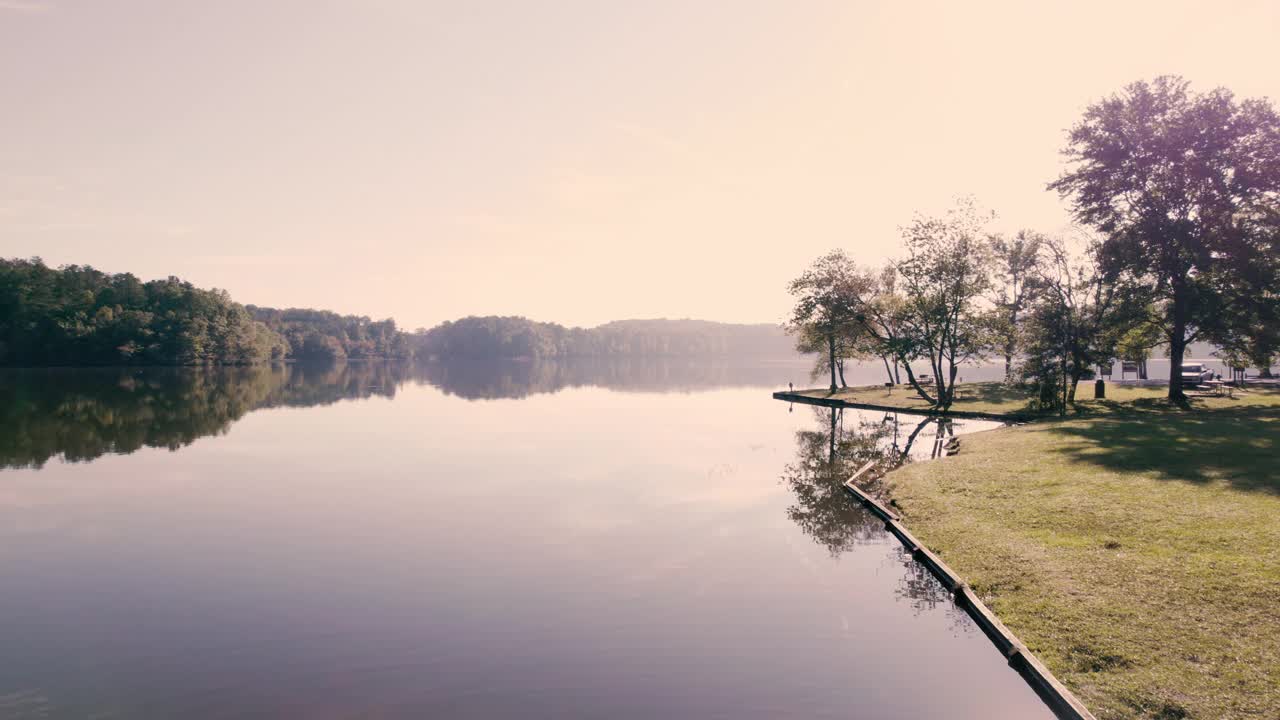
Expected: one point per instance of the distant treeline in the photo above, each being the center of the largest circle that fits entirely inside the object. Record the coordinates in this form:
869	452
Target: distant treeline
518	337
480	379
77	315
324	335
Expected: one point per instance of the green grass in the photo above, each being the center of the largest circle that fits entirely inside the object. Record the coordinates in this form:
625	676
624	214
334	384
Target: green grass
1134	548
989	397
1001	399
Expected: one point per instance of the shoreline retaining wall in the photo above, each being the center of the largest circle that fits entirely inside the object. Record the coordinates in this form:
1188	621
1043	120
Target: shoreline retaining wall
1059	699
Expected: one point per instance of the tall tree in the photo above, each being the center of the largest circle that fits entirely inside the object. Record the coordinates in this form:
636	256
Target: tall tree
1185	187
1015	263
942	281
827	296
1076	323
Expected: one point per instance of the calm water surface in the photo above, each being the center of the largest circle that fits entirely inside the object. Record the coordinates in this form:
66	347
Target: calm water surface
637	541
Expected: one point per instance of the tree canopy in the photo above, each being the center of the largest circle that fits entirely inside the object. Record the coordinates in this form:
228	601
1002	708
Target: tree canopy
927	306
76	315
1185	189
326	336
825	316
518	337
943	279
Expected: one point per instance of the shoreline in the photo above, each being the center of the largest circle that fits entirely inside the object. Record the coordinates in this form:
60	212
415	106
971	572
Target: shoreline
1055	694
836	402
1128	548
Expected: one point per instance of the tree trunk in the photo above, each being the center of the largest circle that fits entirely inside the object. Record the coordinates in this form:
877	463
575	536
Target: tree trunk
1177	350
1011	342
951	383
1142	369
897	377
911	378
938	382
887	371
1063	369
831	350
831	439
1177	344
840	367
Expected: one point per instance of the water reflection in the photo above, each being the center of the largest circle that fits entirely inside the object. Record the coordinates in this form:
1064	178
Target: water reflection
841	441
923	591
514	379
832	451
826	456
81	414
587	554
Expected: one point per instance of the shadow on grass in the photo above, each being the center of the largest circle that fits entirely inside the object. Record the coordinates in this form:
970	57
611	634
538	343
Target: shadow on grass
996	393
1238	446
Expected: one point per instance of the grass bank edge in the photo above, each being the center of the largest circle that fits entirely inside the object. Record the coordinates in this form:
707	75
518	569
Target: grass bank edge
1135	549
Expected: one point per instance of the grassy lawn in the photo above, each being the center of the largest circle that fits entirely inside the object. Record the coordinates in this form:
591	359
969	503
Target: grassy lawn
999	398
1135	548
989	397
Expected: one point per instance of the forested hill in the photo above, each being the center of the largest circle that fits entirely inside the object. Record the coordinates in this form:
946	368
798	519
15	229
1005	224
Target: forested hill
324	335
518	337
77	315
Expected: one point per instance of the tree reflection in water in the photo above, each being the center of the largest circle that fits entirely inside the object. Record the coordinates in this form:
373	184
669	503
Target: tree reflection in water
920	588
81	414
830	453
500	379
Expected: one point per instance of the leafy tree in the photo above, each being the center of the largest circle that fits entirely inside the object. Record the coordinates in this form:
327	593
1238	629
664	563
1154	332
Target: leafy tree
76	315
327	336
1136	343
520	338
1075	325
882	319
827	297
1249	333
924	307
1185	187
851	345
942	281
1015	266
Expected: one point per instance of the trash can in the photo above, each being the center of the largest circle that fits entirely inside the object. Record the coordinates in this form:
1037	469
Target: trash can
1099	389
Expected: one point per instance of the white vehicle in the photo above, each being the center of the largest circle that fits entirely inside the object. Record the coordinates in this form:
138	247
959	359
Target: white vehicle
1195	373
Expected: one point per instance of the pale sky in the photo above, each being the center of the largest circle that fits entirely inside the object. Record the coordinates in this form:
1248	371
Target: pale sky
569	161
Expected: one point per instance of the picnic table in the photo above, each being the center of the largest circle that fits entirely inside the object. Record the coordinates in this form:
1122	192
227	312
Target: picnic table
1219	387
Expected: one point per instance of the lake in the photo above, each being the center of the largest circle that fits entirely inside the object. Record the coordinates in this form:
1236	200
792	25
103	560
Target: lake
640	539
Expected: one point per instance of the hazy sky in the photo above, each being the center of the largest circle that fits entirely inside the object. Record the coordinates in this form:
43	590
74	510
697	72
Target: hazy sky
568	161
